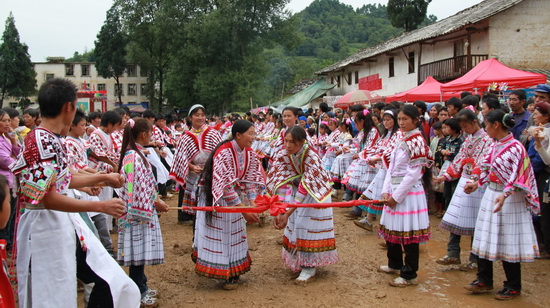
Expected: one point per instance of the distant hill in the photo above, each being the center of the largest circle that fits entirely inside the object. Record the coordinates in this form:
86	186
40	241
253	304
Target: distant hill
332	30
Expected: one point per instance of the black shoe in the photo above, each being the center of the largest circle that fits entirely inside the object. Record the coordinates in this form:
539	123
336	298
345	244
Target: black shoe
478	287
507	294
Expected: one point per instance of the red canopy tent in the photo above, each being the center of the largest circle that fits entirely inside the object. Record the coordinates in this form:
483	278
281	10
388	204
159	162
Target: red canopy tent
492	71
428	91
358	97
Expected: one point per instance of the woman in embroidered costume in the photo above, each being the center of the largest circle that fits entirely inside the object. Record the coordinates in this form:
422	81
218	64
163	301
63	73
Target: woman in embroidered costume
193	150
54	244
460	217
504	229
298	177
360	174
345	152
404	223
139	234
379	158
324	132
232	176
290	118
331	145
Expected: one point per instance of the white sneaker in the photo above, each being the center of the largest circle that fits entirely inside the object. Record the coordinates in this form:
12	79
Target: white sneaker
306	274
388	270
401	282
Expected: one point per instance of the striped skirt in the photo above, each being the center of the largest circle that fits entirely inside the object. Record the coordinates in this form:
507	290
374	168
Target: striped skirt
340	166
190	190
460	218
358	176
374	192
308	239
140	243
221	244
507	235
408	222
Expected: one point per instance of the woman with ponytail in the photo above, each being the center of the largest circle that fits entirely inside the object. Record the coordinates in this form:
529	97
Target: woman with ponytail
232	176
359	174
139	235
404	223
504	229
379	158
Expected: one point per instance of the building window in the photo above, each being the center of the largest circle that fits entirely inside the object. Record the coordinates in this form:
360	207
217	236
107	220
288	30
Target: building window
132	89
101	87
349	78
85	69
69	69
14	104
49	76
410	60
391	67
119	89
331	80
131	71
338	81
143	89
356	77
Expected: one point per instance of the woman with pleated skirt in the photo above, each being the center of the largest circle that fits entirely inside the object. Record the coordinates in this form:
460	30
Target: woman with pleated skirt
298	177
404	223
379	157
461	215
233	176
504	228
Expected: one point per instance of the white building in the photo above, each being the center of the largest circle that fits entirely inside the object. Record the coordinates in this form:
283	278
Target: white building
513	31
132	83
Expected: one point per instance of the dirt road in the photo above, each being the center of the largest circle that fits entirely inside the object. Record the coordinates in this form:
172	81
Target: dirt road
353	282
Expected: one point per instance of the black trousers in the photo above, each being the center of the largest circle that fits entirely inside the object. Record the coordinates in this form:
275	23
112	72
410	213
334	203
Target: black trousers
137	274
101	296
409	266
512	271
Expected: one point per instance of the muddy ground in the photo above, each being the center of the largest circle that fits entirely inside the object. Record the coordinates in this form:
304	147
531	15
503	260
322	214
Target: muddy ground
353	282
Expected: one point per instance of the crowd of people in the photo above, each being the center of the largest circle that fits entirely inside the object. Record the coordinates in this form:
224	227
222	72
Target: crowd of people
70	179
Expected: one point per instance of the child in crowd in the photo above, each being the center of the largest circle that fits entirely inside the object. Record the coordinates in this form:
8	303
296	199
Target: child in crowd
451	145
140	238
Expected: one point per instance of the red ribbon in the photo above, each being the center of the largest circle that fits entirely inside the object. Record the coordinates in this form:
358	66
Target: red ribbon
275	206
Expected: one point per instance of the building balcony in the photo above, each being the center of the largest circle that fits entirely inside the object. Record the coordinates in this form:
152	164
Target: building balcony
449	69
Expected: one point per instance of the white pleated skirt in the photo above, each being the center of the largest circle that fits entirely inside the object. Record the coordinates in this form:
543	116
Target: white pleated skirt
408	222
339	166
220	244
140	243
460	218
359	176
507	235
308	239
374	192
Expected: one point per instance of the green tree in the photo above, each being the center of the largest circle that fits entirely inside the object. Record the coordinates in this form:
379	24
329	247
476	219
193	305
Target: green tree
110	49
152	26
407	14
86	56
17	75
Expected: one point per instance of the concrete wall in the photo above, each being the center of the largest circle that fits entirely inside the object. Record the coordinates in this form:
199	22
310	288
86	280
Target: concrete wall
519	36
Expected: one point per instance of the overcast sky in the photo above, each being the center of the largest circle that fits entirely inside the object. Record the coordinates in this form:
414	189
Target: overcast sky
61	27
